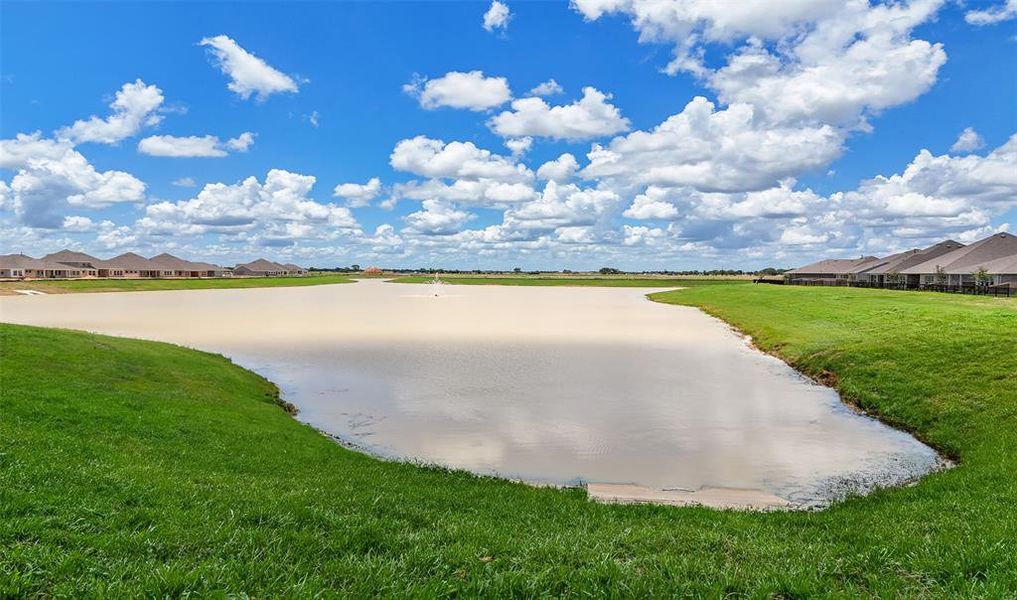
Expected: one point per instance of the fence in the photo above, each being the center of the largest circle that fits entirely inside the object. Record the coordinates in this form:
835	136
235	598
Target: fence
1003	290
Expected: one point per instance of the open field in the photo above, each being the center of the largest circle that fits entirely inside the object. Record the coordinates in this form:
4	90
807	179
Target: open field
66	286
573	280
138	468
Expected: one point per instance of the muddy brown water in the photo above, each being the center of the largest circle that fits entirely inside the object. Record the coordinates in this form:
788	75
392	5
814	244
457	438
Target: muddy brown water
545	384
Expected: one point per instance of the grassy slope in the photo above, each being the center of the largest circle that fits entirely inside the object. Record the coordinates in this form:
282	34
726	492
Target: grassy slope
140	285
131	467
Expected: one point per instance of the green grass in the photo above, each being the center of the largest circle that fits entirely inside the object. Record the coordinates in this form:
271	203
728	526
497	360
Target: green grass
142	285
131	468
579	281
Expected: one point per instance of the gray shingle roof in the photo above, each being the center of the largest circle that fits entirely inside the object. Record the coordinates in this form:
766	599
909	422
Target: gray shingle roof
131	262
968	259
887	263
1002	266
71	256
19	261
262	265
22	261
903	260
204	266
837	266
169	262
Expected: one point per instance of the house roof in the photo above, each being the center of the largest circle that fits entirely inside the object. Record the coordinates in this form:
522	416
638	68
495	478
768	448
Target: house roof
837	266
262	265
887	263
1002	266
18	261
204	266
903	260
168	261
22	261
130	261
968	259
293	267
65	256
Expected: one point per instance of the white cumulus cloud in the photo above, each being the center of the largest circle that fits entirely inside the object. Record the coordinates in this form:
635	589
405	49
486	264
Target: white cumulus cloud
460	160
241	143
547	88
968	141
589	117
561	205
480	192
519	146
206	146
249	75
436	218
996	14
53	178
133	108
278	212
497	16
77	224
715	151
358	194
652	204
470	90
560	169
829	60
945	186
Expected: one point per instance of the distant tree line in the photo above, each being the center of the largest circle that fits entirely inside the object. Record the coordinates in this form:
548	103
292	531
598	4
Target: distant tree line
768	271
349	269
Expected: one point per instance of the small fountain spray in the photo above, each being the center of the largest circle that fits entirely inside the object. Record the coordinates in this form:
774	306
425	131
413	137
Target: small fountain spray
436	284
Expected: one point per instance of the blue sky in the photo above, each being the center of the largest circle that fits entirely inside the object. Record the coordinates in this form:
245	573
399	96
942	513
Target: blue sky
818	109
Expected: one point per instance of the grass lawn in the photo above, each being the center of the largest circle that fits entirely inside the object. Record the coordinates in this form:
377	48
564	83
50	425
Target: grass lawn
132	468
142	285
556	280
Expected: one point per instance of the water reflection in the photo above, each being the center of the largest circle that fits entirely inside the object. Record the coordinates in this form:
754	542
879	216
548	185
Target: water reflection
549	384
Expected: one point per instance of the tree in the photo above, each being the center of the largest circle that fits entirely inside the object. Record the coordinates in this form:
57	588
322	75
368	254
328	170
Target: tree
982	276
940	276
517	270
609	271
893	277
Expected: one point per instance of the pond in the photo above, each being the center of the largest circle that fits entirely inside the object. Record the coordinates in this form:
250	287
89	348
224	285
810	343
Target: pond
554	385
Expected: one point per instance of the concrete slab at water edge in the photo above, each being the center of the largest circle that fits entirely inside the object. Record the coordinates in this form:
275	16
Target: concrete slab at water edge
715	497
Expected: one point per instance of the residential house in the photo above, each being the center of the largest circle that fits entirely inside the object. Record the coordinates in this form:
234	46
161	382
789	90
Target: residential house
261	267
69	264
185	268
996	254
888	271
833	269
1003	270
211	270
20	266
132	266
75	259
